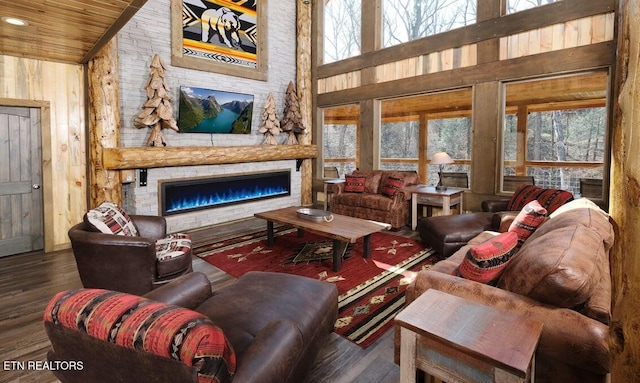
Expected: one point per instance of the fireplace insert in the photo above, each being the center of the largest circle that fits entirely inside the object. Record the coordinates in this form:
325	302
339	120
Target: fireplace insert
192	194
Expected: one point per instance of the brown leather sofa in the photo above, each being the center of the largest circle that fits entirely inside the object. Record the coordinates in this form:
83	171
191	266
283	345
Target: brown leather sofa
275	323
559	277
125	263
372	204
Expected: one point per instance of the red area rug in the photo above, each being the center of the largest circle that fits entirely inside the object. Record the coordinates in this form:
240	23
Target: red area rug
371	291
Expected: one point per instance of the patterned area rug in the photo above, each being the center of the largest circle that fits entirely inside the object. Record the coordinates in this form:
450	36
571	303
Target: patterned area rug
371	291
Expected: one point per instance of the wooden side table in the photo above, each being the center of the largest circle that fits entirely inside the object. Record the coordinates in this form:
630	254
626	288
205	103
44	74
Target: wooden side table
326	189
458	340
428	195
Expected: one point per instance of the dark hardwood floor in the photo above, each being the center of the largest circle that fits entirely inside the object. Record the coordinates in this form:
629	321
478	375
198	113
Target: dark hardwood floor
28	281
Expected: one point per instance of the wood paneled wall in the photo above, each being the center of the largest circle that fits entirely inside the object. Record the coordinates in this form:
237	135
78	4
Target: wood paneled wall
59	91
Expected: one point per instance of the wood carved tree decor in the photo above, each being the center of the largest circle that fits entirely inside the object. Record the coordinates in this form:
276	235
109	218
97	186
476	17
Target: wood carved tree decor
157	112
270	125
291	117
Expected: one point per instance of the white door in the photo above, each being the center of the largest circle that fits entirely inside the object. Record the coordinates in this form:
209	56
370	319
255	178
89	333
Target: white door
21	214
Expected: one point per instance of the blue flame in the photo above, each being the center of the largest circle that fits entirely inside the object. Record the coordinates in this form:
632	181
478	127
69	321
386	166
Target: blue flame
190	195
228	197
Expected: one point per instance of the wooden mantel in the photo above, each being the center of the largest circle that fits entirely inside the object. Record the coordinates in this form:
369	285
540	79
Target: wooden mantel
152	157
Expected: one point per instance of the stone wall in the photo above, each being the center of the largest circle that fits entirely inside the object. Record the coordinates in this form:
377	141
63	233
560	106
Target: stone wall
149	33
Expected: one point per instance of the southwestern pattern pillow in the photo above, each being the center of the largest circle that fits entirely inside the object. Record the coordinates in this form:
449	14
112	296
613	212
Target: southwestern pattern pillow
354	184
485	262
391	186
550	199
109	218
172	246
137	323
527	221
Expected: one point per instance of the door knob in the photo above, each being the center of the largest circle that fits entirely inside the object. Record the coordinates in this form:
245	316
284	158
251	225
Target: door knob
35	186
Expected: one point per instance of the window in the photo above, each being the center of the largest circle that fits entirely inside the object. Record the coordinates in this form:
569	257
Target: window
340	138
451	135
407	20
555	130
414	128
514	6
341	29
399	144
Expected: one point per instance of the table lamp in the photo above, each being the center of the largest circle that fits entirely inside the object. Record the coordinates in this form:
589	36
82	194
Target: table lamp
441	158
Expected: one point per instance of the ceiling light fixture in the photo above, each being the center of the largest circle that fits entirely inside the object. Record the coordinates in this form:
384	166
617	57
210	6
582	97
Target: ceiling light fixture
15	21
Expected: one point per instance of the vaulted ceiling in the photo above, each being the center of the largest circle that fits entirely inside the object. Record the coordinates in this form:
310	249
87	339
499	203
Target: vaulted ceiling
70	31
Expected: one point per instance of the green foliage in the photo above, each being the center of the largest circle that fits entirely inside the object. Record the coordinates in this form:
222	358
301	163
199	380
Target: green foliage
242	124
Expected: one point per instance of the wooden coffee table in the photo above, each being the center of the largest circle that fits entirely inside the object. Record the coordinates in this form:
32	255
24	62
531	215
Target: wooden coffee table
342	229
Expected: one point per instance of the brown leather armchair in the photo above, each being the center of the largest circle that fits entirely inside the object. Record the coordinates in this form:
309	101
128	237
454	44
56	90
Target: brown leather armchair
125	263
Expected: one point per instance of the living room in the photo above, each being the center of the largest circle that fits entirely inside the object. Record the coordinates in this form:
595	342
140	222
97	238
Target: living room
71	183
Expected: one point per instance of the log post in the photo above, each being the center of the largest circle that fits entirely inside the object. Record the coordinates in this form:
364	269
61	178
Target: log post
104	124
303	85
624	200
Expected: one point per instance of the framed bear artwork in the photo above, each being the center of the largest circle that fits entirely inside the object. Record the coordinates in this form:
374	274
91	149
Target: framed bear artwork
223	36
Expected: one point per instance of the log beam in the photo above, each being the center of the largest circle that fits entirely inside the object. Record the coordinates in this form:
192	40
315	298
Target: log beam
304	92
104	124
624	199
152	157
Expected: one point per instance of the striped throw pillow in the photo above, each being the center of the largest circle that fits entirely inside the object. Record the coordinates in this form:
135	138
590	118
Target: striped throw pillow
109	218
137	323
527	221
391	186
354	184
485	262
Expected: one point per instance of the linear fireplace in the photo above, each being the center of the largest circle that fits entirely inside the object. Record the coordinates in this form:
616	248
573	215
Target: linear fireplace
191	194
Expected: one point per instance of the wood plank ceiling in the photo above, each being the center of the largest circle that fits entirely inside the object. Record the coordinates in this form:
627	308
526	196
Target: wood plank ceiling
69	31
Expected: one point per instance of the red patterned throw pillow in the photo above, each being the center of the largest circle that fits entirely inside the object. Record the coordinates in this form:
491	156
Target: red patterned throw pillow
550	199
354	184
109	218
391	187
137	323
484	263
530	217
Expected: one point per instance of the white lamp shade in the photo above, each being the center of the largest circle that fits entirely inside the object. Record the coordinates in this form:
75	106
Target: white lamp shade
441	158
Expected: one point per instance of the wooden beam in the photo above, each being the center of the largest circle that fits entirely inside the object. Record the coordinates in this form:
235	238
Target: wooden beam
624	200
152	157
104	124
304	92
563	61
530	19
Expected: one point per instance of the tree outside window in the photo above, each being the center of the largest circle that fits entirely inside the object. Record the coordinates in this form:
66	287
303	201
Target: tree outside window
560	138
340	138
407	20
341	29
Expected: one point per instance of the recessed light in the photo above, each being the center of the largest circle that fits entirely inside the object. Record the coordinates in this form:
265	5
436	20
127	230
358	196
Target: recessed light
15	21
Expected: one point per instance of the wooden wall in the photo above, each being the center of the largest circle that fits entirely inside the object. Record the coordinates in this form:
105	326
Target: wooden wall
59	91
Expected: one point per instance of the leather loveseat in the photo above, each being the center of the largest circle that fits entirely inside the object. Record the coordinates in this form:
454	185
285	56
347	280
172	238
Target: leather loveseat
266	327
559	277
380	197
